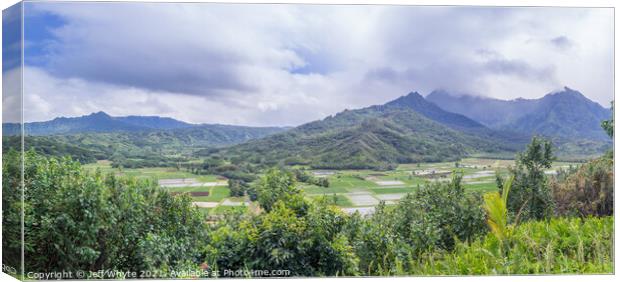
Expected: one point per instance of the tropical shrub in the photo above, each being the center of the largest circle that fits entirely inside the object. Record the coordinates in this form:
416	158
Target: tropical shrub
308	241
436	214
589	191
497	211
433	218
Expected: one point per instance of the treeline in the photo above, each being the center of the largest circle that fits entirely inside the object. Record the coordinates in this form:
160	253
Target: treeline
50	147
87	148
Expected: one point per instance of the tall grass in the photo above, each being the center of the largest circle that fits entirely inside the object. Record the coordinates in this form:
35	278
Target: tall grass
560	245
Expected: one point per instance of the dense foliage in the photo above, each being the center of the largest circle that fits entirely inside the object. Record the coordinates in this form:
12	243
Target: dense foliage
433	218
306	242
51	147
314	238
77	220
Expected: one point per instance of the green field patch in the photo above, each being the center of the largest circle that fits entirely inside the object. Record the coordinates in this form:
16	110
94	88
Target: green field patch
393	190
349	181
224	209
312	189
156	173
480	179
208	178
338	200
237	199
359	189
481	187
189	189
217	194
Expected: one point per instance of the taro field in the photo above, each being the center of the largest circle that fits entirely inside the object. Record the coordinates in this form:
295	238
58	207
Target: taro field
352	190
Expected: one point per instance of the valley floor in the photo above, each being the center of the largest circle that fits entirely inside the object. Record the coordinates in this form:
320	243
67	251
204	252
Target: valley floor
351	190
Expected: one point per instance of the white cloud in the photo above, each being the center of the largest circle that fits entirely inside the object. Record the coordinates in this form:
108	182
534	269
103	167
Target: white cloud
289	64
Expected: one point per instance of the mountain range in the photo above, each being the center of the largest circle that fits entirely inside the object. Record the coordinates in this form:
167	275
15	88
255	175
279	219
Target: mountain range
144	127
101	136
95	122
411	128
408	129
567	114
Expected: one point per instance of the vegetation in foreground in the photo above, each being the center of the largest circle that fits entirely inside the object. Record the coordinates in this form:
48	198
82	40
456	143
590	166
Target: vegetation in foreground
82	220
557	246
77	220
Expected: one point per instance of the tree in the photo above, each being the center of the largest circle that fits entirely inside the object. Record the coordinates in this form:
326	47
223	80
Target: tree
608	125
530	197
238	188
275	185
323	182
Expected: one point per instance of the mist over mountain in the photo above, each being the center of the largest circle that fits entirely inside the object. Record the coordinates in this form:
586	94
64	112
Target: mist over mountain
566	114
415	101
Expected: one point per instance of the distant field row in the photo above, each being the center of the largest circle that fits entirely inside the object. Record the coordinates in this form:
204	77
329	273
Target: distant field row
348	188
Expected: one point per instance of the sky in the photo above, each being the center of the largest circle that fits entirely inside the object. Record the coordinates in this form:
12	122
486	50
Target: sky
284	65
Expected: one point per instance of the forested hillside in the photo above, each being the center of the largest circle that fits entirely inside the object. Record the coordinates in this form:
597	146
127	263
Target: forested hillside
402	131
140	148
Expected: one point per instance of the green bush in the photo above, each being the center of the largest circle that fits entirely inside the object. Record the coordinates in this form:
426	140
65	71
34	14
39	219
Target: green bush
78	220
434	217
310	244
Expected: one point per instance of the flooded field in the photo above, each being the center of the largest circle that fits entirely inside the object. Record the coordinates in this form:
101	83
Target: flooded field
354	190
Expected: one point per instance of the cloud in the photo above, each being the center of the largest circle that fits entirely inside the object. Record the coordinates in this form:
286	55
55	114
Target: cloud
520	69
11	95
289	64
561	42
49	96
